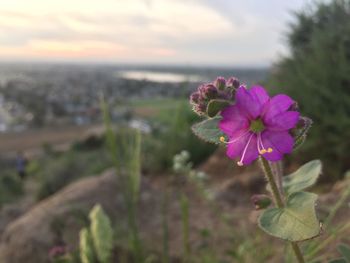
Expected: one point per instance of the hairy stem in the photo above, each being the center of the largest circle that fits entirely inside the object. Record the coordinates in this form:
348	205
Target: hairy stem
279	202
279	175
271	180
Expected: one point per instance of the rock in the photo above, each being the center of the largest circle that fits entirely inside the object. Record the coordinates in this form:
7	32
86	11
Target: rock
231	183
9	213
60	217
238	190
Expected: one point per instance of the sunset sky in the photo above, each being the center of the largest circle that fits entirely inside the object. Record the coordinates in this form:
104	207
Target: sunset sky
211	32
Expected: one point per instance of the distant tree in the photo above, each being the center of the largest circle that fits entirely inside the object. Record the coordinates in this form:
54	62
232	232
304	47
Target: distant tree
317	75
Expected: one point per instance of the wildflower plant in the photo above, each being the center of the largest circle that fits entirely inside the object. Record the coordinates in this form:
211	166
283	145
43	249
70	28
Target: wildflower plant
252	125
183	166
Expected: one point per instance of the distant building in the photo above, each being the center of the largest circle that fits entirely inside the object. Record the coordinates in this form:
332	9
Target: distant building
5	117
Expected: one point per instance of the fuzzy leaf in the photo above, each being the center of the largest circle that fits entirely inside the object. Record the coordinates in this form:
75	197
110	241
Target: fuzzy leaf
208	130
344	250
296	221
86	246
215	106
102	234
302	178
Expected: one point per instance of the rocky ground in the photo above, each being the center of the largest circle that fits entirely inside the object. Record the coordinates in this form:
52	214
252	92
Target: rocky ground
28	229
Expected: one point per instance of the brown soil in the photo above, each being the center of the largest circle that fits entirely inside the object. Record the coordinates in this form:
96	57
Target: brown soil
33	140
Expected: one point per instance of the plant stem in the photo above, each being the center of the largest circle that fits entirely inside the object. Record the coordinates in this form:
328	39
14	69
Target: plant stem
297	252
279	174
185	228
165	256
271	180
279	201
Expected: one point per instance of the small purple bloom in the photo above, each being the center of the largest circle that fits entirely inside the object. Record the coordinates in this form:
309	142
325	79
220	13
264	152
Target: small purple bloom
258	125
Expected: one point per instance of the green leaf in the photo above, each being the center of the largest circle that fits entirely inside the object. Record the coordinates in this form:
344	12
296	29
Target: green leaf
296	221
102	234
208	130
303	178
344	250
215	106
86	246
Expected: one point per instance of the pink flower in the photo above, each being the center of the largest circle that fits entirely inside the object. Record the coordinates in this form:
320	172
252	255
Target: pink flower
258	125
57	251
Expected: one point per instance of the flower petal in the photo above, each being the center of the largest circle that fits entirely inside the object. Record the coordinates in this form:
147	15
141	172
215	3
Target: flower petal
277	105
248	103
252	151
284	121
234	149
260	94
281	143
233	120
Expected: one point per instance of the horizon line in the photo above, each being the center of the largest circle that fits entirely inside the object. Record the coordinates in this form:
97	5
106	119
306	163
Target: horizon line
135	64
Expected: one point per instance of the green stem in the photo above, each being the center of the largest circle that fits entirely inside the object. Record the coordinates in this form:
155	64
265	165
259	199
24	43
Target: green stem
297	252
165	256
279	202
185	228
271	180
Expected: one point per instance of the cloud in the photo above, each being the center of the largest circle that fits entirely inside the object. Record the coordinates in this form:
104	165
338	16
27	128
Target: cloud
197	31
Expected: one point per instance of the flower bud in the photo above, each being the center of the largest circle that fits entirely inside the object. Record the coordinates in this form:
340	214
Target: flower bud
220	83
261	201
208	91
227	95
200	109
211	91
294	106
233	82
195	97
217	90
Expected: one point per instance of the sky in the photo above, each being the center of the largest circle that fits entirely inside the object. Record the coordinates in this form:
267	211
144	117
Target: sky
197	32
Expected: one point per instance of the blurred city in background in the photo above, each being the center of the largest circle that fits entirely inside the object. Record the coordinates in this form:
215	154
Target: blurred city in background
61	61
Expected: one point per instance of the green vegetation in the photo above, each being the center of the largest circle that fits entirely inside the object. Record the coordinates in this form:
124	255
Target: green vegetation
171	134
317	76
100	233
55	172
170	123
125	150
10	187
95	241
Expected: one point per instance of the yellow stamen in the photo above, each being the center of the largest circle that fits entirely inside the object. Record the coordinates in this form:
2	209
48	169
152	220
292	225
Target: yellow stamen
222	139
269	150
239	163
263	151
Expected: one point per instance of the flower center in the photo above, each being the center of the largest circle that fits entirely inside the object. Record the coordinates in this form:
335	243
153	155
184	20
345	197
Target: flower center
257	126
